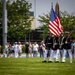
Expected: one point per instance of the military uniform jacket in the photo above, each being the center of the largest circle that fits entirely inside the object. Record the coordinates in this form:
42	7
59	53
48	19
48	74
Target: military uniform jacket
67	43
61	44
56	43
49	42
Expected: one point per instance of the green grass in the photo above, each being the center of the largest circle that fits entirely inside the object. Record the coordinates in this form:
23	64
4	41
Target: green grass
34	66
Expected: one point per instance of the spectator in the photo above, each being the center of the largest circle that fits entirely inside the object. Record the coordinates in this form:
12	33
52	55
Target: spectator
41	48
20	48
27	49
35	49
16	49
6	50
30	49
10	50
73	48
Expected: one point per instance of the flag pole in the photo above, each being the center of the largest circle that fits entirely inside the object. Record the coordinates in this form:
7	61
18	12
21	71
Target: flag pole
57	10
52	4
53	36
4	23
57	13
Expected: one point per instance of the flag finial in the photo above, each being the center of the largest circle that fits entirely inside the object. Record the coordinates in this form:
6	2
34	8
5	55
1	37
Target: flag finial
52	4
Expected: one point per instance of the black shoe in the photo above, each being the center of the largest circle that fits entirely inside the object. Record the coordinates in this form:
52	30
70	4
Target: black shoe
57	62
44	61
62	62
50	61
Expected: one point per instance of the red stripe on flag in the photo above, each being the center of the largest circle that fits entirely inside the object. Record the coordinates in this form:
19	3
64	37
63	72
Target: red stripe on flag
53	28
55	24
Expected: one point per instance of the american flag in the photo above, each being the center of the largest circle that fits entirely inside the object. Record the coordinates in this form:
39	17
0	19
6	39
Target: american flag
55	27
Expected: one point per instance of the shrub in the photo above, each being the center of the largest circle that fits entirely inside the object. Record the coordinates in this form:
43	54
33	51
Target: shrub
1	49
23	49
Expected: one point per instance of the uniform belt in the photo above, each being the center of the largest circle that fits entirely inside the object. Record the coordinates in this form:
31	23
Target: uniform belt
61	43
55	43
49	43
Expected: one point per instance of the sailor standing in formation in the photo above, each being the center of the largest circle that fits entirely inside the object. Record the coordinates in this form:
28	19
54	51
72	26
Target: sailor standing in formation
67	47
61	47
58	46
48	44
55	52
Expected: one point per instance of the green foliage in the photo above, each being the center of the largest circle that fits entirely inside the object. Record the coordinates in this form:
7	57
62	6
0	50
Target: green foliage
19	21
1	49
23	49
68	23
66	20
44	20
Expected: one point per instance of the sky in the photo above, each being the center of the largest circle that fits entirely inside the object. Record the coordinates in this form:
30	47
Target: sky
44	6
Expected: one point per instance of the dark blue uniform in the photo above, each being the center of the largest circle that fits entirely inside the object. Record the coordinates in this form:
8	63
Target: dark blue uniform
61	43
56	43
67	48
67	43
49	42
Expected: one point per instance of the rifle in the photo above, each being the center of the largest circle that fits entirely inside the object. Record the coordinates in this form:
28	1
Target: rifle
53	41
60	41
69	35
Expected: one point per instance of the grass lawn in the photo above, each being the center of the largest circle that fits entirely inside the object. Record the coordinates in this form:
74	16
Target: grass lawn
35	66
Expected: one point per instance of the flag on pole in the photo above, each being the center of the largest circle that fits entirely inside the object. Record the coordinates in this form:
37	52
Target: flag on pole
55	27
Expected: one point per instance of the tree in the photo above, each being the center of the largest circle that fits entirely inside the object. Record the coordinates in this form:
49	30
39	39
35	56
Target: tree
19	20
67	21
44	20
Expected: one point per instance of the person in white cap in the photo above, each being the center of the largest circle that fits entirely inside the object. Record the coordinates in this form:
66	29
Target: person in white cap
20	48
16	49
